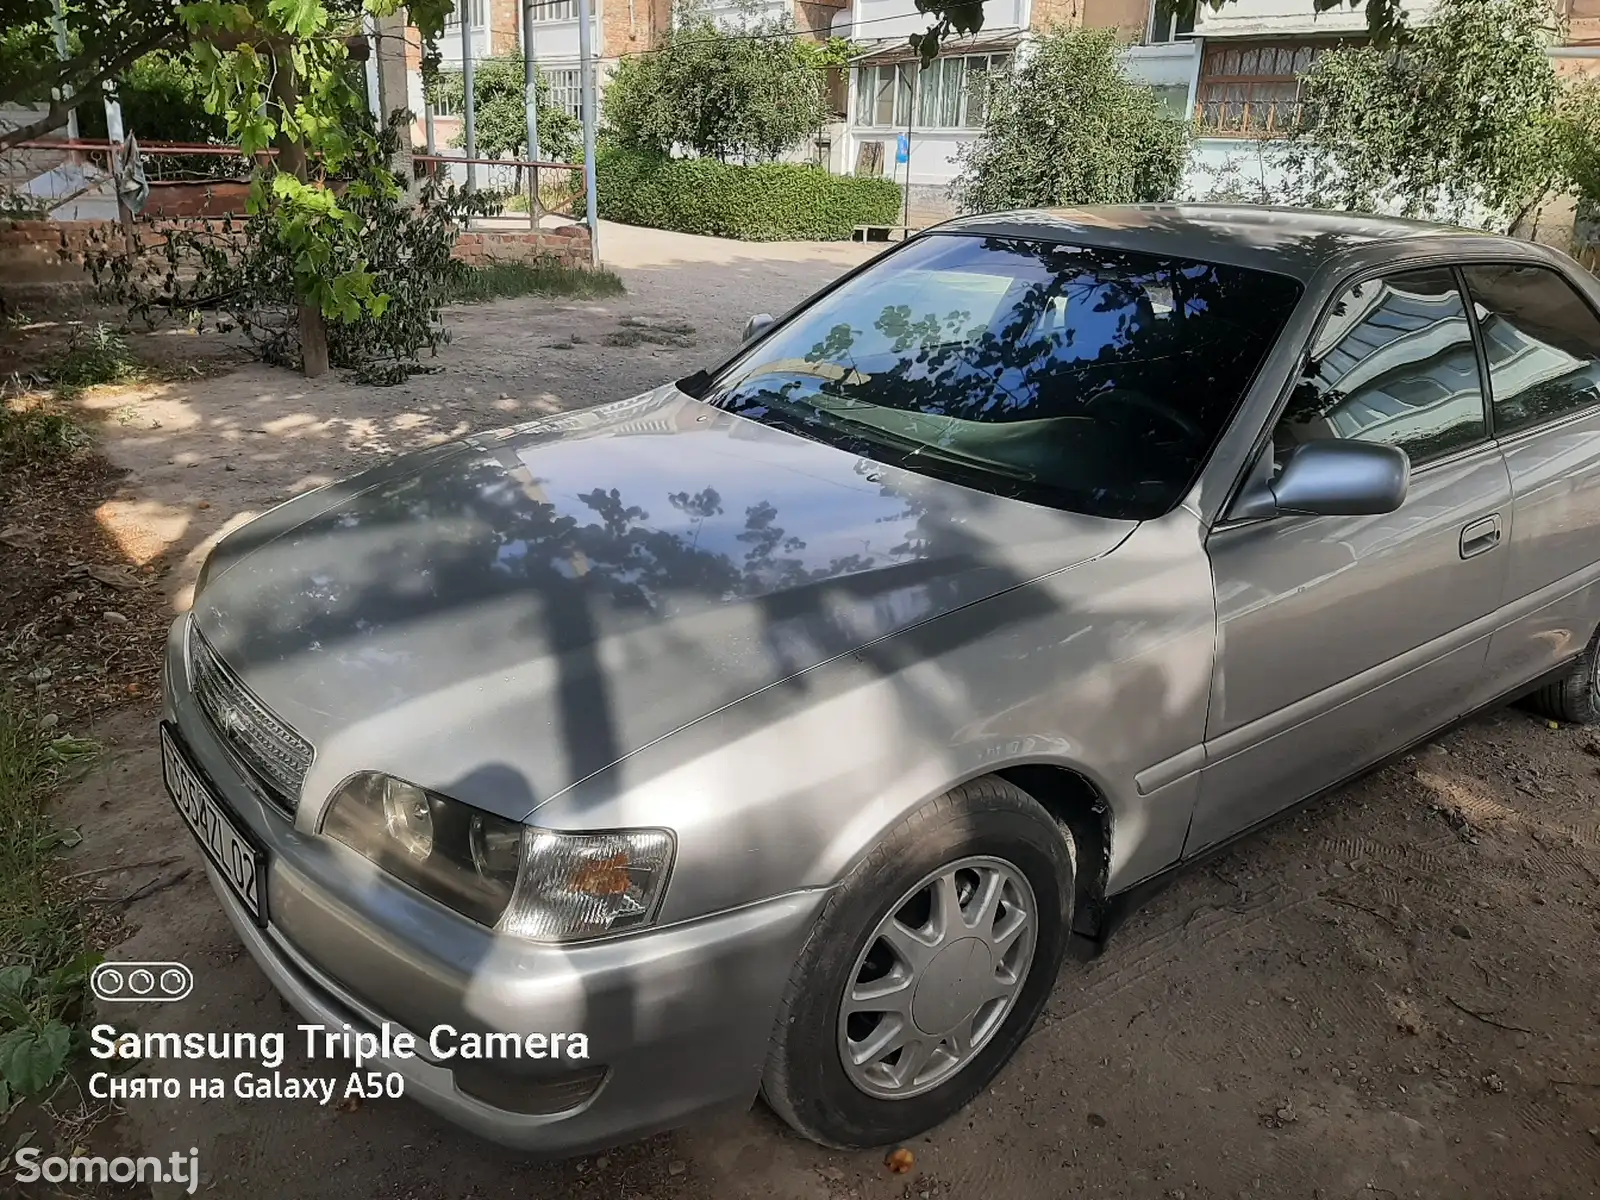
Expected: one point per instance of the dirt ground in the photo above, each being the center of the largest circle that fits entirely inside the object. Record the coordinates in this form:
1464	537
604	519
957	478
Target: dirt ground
1393	994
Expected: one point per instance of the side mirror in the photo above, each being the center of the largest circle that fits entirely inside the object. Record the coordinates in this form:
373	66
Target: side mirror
1329	478
756	326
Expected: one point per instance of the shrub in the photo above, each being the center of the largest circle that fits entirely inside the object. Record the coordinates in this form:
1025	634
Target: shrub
163	100
763	203
1069	127
752	91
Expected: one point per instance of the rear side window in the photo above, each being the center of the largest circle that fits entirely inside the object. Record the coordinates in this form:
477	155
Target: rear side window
1394	364
1542	341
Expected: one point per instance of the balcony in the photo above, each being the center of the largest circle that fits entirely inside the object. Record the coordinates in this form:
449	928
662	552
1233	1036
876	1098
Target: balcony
1248	118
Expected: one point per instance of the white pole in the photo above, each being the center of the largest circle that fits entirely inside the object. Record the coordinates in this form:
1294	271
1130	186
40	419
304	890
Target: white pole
586	66
468	94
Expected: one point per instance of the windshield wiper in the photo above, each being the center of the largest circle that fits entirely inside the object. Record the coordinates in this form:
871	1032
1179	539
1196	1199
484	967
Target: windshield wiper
916	449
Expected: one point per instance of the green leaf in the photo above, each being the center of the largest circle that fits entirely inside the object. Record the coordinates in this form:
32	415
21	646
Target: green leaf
31	1060
14	978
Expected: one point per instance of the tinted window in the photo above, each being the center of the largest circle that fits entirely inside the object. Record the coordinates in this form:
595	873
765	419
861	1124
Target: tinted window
1084	378
1542	342
1393	363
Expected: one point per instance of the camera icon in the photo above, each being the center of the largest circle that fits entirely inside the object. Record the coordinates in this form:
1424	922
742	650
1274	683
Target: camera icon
147	982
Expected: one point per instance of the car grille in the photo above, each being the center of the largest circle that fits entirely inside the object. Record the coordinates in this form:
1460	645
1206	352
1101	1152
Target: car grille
275	755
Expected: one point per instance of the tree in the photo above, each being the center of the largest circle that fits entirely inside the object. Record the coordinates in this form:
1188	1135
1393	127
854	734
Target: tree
750	93
1458	123
104	40
162	98
1068	127
500	111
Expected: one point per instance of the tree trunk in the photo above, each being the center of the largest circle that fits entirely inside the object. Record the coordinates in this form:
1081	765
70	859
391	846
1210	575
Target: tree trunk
292	158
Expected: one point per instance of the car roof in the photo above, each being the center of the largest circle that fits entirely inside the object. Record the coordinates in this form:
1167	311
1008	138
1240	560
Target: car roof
1288	241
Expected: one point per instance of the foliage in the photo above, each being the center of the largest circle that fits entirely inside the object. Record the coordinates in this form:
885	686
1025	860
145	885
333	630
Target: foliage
750	92
105	39
43	982
835	52
1457	125
162	99
500	114
91	357
1577	138
399	254
499	280
32	435
1068	127
765	202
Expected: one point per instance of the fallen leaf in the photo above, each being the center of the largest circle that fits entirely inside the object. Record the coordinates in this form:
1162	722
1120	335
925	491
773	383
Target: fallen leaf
349	1104
117	577
900	1161
19	538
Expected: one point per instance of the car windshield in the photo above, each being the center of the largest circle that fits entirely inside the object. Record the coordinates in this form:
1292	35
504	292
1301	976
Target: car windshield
1080	377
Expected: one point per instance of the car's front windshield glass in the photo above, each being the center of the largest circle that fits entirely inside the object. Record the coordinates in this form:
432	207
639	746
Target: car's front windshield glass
1085	378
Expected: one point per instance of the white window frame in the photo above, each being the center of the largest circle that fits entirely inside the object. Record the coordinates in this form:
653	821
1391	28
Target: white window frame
478	9
566	88
555	10
445	110
1162	28
867	82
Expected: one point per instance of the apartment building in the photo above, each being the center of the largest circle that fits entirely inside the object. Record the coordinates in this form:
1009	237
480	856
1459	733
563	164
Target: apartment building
494	28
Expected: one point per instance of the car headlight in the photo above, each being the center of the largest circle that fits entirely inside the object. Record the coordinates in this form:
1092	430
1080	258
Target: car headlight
540	884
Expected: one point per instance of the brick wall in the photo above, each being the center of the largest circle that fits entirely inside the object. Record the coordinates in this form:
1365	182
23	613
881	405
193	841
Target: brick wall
505	26
564	244
1047	14
628	28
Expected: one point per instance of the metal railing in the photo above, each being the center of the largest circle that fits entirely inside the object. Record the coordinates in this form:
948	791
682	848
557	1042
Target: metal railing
532	186
537	188
1249	118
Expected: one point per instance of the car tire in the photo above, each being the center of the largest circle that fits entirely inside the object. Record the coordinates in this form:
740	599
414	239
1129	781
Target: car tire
993	851
1574	699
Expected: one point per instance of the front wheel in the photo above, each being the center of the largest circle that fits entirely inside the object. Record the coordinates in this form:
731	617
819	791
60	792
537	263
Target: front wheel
1574	699
925	970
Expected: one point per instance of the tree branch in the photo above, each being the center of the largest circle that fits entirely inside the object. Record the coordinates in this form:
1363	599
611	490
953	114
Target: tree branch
88	88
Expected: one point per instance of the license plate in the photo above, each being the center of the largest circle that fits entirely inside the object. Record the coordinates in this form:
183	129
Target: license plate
229	850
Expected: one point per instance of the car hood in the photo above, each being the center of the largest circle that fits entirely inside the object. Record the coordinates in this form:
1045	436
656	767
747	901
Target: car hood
501	618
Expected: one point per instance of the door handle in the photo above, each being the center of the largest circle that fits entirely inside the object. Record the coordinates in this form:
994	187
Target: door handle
1480	536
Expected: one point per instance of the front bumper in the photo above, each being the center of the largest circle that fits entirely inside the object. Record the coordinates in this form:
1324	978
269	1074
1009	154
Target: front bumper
677	1019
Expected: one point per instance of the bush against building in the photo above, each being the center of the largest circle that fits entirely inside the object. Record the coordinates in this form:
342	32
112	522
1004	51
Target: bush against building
765	202
748	93
1462	120
1069	127
500	113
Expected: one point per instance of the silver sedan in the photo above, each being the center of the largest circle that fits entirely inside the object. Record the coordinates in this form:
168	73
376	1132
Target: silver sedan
779	730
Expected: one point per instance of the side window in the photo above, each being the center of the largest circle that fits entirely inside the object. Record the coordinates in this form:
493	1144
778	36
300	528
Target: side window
1542	341
1393	363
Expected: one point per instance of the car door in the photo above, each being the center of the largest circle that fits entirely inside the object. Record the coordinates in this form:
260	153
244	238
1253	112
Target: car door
1541	340
1340	639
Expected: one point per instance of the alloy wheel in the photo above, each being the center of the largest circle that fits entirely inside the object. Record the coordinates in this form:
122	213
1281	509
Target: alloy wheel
937	978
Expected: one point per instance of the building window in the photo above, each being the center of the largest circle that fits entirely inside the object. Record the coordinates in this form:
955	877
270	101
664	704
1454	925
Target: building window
949	93
477	8
1167	26
554	10
439	99
566	90
1254	87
